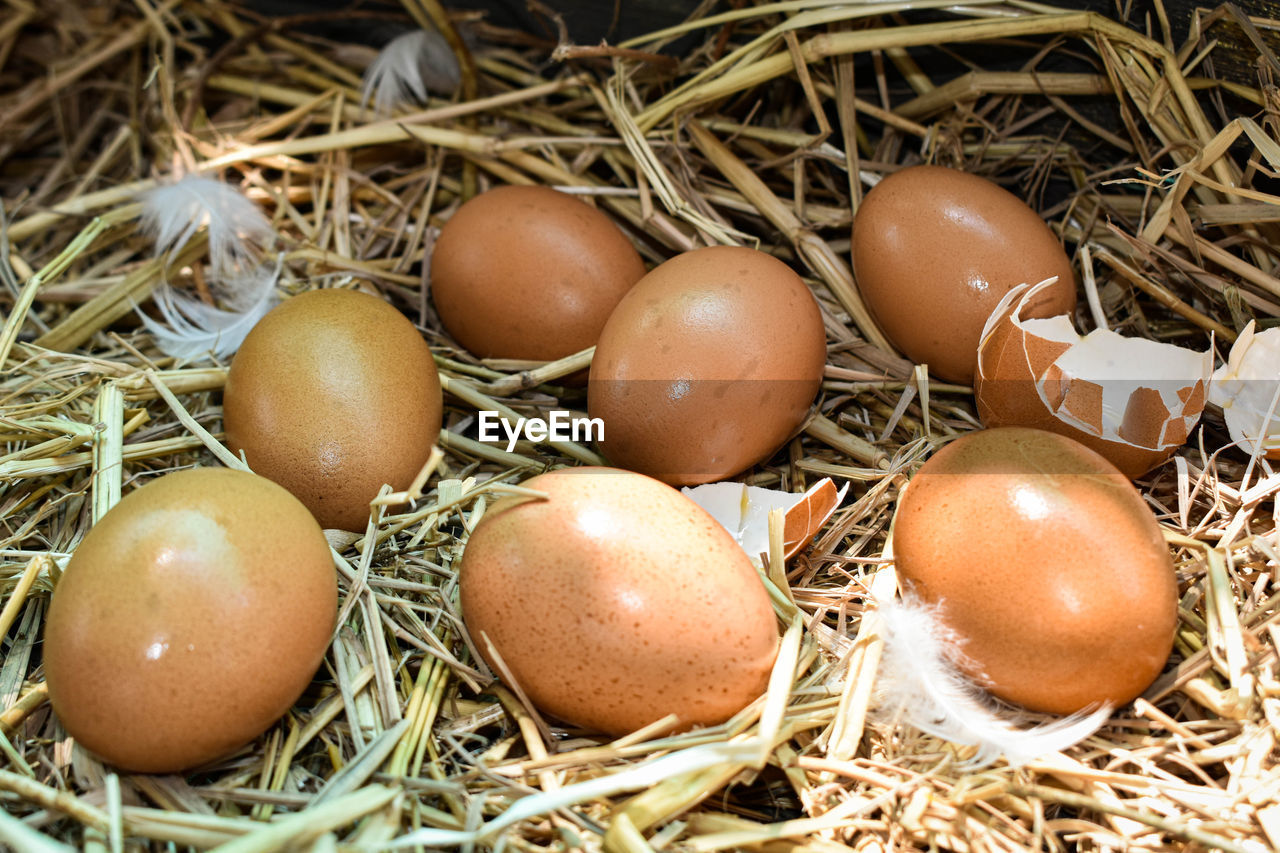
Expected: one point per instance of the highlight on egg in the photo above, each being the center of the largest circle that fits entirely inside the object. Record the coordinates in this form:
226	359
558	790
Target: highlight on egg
615	601
188	620
707	366
1133	400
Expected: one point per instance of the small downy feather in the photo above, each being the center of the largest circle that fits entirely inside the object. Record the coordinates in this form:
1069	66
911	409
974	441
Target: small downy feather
918	681
173	213
238	232
190	329
407	68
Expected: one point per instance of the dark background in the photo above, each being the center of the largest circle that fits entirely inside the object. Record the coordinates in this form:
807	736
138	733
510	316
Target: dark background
590	21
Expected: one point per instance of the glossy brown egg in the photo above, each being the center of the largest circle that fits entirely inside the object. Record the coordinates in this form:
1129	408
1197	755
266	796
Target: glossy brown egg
934	250
707	366
1046	562
332	394
528	272
188	620
617	601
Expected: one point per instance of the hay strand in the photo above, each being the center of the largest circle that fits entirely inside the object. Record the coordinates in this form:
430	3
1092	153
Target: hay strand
764	128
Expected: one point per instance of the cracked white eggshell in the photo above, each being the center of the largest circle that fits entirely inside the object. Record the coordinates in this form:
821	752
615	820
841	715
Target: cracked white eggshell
744	511
1247	388
1135	401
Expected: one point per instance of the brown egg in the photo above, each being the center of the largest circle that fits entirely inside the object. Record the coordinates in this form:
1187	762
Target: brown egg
934	249
1046	562
333	394
707	366
617	601
188	620
529	272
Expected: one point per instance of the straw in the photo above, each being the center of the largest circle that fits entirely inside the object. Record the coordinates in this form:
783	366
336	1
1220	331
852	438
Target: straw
767	130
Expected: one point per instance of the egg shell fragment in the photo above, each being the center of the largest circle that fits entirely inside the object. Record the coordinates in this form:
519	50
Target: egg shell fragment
1247	388
1046	562
743	510
333	394
188	620
617	601
707	366
529	272
934	249
1133	400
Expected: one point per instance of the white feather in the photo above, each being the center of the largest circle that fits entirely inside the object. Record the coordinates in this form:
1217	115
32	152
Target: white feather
173	213
238	232
407	68
190	329
918	681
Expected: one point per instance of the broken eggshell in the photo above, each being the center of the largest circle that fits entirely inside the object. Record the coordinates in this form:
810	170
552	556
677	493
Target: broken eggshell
1247	388
744	511
1133	400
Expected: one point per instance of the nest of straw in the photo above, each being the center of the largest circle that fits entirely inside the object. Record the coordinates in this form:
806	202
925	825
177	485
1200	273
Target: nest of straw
1158	174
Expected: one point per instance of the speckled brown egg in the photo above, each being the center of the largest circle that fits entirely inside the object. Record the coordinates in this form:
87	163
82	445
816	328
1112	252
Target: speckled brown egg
616	601
1046	562
529	272
188	620
934	250
707	366
332	394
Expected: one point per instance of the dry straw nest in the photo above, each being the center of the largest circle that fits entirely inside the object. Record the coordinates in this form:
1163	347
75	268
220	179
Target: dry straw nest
767	131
